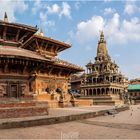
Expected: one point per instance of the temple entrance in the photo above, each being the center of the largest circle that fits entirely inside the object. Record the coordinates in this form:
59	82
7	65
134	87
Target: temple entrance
14	90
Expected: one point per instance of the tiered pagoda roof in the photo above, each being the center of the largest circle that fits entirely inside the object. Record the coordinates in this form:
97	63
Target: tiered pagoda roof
22	41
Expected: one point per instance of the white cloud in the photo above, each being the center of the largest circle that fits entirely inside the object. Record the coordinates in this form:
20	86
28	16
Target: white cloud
109	10
55	8
87	30
37	6
66	10
11	8
44	20
63	10
131	7
116	30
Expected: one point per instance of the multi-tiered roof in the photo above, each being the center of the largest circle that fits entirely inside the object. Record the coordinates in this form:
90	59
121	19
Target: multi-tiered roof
22	41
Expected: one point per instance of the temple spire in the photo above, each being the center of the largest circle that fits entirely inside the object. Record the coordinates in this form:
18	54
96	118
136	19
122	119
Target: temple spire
102	36
5	17
102	48
41	32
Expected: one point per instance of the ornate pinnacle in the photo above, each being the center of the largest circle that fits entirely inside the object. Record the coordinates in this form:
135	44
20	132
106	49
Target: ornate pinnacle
5	17
101	36
41	32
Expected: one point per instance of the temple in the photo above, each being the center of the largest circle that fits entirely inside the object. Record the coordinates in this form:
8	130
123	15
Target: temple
103	78
29	67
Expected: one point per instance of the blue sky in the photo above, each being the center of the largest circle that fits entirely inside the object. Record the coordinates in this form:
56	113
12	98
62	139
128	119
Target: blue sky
79	23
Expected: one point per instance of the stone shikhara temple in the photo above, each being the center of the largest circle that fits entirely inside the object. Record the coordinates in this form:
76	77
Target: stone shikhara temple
28	63
103	77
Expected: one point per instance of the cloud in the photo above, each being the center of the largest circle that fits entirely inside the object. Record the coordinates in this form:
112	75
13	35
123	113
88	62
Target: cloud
55	8
131	7
44	20
66	10
37	6
63	10
87	30
11	8
109	10
116	30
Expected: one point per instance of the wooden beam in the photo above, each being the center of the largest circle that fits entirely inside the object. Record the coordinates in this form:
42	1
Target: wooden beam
52	48
46	46
4	33
25	35
50	70
5	67
37	45
60	71
60	49
17	35
57	47
41	45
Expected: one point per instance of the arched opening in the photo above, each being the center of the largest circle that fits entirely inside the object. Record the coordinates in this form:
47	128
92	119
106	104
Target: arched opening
90	92
101	80
113	90
102	91
107	91
94	80
107	78
98	91
105	68
94	91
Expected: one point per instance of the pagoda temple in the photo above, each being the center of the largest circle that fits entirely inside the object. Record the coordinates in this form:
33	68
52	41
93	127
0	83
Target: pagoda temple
29	67
103	78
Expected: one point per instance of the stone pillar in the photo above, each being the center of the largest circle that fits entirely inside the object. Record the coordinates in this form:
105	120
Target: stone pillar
85	92
105	91
100	92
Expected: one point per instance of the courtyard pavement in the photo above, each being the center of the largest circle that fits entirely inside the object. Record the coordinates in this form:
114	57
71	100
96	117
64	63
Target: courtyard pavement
125	125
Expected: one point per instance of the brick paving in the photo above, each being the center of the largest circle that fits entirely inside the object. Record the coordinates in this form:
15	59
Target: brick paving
82	129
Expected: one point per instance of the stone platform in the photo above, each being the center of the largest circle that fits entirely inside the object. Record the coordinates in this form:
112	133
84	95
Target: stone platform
17	109
103	100
59	115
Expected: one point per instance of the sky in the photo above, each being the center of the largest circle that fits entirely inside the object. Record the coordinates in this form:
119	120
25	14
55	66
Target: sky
79	23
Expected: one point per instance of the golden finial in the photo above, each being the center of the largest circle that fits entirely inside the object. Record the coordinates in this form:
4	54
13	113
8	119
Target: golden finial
41	32
5	17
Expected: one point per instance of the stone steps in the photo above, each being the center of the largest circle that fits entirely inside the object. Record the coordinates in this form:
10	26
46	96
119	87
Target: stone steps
107	102
104	99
